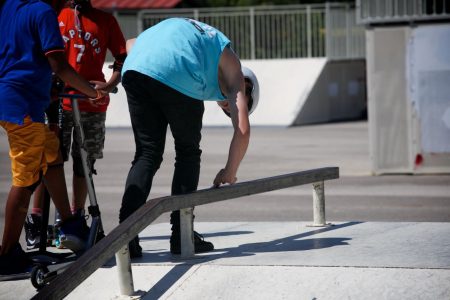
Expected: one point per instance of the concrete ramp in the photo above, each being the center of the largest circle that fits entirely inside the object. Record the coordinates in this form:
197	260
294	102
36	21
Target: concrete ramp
285	85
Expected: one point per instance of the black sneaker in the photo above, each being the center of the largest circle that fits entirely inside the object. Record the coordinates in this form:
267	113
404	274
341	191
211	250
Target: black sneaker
74	233
32	228
134	248
15	262
200	245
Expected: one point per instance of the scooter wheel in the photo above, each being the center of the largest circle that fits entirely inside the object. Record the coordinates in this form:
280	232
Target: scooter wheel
38	276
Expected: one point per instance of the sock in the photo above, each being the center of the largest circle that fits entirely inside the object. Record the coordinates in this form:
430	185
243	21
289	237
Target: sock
36	211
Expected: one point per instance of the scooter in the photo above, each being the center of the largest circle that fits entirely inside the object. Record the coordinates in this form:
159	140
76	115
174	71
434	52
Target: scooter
43	272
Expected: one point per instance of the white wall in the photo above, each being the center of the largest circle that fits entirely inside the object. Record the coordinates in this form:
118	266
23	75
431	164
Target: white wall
408	77
428	77
284	87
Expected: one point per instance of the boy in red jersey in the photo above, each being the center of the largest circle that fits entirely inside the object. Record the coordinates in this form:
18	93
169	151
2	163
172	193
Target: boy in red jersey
88	33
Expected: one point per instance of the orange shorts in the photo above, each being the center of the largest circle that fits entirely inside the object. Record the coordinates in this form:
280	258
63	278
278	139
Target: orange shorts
31	147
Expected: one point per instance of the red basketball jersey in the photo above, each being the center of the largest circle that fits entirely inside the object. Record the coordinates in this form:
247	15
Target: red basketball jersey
86	44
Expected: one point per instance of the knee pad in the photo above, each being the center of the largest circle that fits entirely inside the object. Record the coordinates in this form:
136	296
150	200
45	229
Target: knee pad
78	166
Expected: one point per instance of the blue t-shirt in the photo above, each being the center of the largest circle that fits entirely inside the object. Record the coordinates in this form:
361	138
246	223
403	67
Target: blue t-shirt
183	54
28	30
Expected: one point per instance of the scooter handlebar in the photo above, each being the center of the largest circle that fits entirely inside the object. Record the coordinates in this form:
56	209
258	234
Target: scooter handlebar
81	96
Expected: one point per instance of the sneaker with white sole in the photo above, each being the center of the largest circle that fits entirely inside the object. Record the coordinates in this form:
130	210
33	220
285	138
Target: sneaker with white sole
32	228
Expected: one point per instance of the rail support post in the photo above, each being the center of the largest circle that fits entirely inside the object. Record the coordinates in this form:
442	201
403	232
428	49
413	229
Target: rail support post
187	232
319	205
124	270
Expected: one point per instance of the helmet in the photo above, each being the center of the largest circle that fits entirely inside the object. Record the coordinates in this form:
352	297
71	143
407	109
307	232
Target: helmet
253	90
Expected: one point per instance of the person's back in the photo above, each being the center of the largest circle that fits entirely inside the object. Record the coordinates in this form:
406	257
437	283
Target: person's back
88	34
87	45
186	56
24	69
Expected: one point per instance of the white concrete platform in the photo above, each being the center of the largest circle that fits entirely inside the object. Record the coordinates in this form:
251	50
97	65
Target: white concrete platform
283	260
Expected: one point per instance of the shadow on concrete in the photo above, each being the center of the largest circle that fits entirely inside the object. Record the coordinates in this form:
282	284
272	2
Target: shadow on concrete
206	235
290	243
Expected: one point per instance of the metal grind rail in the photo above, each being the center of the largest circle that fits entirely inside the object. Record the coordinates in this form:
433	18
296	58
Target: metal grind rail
115	243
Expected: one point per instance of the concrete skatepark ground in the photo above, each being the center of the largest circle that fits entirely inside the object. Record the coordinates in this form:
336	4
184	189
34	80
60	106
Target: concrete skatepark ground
390	239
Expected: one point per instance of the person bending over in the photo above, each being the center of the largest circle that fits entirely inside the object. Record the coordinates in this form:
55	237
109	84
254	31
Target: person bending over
171	68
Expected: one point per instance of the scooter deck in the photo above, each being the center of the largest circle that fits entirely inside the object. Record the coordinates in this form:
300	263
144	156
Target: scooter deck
17	276
52	260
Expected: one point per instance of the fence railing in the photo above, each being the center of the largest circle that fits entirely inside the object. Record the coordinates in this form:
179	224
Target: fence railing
119	237
285	31
395	11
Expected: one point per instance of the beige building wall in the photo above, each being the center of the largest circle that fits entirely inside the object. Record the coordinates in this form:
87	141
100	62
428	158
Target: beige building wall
409	128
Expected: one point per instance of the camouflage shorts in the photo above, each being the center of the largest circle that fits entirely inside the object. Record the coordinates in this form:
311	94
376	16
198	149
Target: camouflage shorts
94	134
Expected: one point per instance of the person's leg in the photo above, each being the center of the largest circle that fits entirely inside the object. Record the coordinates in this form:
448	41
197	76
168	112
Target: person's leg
13	259
38	199
34	220
79	193
55	182
26	143
149	129
54	177
94	139
185	119
73	231
15	213
186	124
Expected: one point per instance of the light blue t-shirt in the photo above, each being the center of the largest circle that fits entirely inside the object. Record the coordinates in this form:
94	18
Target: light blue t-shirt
181	53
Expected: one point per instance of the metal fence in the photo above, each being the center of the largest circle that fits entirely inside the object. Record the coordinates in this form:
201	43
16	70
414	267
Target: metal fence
394	11
286	31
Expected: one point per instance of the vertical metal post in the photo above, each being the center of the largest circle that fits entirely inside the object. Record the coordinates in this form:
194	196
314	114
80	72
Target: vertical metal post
359	13
308	31
252	33
124	270
348	15
140	22
328	53
187	232
196	14
319	203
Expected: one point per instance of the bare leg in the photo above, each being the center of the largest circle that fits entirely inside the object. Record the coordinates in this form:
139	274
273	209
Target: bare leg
15	213
38	198
79	192
56	185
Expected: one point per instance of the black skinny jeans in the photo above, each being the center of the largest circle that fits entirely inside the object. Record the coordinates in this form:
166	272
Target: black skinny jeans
153	106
